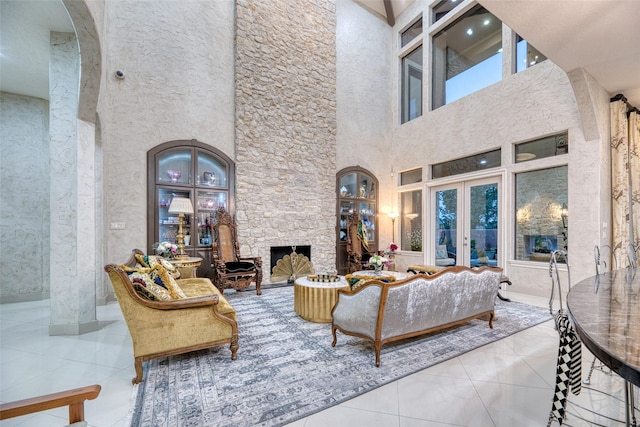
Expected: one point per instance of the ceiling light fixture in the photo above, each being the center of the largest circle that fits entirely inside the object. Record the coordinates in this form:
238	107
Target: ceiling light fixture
486	22
470	31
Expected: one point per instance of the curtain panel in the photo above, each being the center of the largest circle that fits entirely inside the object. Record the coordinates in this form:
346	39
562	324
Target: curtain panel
625	178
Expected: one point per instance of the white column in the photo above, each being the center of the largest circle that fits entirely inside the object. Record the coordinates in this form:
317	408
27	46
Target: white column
72	183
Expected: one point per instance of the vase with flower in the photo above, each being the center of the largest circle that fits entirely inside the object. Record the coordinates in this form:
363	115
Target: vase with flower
378	263
165	249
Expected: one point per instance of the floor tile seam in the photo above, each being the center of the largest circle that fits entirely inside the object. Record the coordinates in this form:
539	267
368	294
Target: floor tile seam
544	380
439	422
547	387
345	404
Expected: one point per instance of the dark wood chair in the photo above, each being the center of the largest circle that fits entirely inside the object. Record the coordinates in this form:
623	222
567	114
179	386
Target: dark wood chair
74	399
230	269
357	247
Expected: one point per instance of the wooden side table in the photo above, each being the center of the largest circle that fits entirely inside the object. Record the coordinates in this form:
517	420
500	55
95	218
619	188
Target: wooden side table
187	266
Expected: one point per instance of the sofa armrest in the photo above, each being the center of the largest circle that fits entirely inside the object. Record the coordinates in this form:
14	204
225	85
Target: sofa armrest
74	399
357	311
183	303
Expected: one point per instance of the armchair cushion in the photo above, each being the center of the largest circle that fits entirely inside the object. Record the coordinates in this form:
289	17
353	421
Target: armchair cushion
154	283
240	267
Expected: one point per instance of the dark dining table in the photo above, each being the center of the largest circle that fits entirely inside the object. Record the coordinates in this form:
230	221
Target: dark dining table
605	310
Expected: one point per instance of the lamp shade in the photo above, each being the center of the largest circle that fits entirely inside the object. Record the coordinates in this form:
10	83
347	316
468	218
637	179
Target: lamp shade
393	215
180	205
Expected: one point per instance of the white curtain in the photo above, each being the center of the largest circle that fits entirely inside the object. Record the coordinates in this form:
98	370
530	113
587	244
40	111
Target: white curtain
625	178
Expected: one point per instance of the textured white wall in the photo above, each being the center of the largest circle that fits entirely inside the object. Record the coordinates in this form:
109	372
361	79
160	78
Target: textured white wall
364	93
24	198
179	84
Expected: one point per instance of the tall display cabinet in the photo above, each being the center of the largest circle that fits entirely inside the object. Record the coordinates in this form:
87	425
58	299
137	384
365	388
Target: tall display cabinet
196	171
357	191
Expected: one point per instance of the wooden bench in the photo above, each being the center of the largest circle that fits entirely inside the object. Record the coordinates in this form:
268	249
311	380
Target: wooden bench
74	399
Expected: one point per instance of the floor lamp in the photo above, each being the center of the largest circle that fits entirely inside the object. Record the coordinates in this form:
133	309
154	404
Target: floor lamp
181	206
393	216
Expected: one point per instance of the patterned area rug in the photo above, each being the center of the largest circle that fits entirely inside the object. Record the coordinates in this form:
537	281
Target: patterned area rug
286	368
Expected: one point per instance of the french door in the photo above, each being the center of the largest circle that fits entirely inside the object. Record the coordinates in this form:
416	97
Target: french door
465	221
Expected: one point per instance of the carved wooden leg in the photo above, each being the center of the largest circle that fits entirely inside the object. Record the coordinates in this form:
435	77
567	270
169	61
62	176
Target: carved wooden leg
491	315
335	338
259	282
138	365
234	346
378	345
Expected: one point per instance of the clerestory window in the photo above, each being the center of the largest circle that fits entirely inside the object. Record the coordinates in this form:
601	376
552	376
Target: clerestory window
467	56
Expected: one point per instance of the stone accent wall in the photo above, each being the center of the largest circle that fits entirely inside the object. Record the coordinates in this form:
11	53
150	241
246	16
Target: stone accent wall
286	127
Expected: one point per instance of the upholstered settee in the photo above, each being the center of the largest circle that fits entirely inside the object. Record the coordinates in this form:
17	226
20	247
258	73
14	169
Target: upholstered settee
385	312
188	315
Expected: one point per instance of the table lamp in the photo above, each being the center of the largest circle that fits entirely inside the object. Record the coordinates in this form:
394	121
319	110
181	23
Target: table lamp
181	206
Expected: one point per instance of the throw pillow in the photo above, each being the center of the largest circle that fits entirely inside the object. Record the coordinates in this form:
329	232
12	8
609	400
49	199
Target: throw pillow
441	252
151	261
154	283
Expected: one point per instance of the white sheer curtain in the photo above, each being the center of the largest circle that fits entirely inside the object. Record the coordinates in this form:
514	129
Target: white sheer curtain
625	177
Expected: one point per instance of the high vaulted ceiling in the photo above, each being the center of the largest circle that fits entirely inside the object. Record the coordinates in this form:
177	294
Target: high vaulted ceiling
600	36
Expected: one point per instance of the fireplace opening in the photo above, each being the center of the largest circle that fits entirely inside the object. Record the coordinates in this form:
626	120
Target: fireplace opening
283	271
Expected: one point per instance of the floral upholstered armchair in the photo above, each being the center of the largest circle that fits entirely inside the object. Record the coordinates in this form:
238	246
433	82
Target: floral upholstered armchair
168	316
230	269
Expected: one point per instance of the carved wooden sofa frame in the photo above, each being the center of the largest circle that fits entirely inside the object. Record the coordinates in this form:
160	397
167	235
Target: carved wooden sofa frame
385	312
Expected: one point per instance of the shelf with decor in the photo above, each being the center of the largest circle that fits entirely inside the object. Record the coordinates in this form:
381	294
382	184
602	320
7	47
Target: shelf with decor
193	170
356	192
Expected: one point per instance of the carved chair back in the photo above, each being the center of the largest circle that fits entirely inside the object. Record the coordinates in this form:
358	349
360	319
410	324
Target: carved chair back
225	242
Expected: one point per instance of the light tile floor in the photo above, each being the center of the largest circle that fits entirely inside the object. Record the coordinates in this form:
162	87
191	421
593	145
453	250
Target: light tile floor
506	383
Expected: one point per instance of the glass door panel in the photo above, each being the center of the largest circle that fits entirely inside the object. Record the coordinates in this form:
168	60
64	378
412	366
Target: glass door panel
210	171
168	223
346	208
446	237
482	224
465	218
174	167
367	188
368	217
348	186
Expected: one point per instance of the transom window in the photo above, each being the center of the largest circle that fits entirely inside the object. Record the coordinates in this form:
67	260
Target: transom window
526	55
467	56
477	162
411	33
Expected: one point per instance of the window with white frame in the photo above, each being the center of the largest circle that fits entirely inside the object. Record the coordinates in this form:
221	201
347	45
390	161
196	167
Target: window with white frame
411	220
411	79
542	215
467	56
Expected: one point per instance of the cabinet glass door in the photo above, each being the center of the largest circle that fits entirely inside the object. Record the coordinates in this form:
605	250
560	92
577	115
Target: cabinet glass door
207	202
174	167
356	192
168	223
210	172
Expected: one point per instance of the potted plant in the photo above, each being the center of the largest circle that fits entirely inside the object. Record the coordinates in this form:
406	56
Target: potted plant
482	257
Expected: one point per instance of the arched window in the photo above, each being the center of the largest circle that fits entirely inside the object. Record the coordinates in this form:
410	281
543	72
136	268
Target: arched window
195	170
357	191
